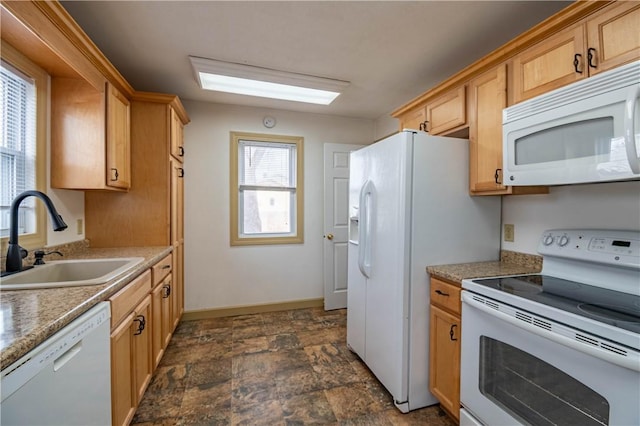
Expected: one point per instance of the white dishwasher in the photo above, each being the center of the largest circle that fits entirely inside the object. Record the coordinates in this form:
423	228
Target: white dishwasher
66	380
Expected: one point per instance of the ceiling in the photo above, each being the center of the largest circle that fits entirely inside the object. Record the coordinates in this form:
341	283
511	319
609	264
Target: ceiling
390	51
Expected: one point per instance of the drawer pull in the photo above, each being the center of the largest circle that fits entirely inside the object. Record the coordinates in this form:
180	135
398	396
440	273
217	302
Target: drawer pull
442	293
166	267
576	61
141	324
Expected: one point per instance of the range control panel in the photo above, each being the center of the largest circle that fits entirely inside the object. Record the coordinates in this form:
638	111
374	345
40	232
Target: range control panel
602	246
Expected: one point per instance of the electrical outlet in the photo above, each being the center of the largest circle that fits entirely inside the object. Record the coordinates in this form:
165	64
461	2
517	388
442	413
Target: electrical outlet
509	232
79	226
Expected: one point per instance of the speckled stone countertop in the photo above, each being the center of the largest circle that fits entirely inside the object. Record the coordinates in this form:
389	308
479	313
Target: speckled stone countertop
510	263
29	317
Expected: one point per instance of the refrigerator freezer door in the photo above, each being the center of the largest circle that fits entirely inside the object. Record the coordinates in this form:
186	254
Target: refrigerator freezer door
356	294
386	300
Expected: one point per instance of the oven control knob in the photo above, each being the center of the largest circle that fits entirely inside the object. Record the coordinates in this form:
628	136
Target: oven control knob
563	241
547	240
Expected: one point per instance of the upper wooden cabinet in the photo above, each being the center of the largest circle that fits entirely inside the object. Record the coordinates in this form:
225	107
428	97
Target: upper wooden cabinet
415	119
614	36
118	139
447	112
177	139
89	136
603	41
553	63
487	99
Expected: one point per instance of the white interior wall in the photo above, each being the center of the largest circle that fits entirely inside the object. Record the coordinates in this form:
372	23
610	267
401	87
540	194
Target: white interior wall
218	275
385	126
606	205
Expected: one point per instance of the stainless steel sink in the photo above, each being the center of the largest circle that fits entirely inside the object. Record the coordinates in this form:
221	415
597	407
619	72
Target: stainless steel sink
70	273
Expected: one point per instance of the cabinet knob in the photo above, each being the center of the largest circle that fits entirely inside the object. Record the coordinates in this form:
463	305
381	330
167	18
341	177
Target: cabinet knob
141	324
180	151
497	176
167	291
452	333
576	62
181	172
591	56
114	174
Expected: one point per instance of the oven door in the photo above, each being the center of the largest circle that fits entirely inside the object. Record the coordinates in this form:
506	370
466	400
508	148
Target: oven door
513	374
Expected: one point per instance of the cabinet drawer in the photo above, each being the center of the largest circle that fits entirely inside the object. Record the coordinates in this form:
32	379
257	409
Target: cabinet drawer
126	299
445	295
162	269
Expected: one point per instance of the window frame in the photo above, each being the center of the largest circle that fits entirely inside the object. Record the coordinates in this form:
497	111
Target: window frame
236	238
40	77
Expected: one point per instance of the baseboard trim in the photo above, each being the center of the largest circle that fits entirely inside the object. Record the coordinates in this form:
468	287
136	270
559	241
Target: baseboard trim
252	309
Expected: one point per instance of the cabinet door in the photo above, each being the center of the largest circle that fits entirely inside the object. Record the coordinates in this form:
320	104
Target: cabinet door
447	112
177	138
488	97
177	202
142	347
177	236
444	359
178	284
167	310
123	397
614	36
157	346
118	139
552	63
414	119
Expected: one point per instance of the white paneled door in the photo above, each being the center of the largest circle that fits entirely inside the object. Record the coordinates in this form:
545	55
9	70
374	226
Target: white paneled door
336	223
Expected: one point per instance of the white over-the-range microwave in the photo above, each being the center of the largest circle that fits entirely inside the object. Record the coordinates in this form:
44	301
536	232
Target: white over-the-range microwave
588	131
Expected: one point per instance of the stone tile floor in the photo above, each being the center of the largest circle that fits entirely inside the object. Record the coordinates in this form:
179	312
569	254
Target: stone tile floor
278	368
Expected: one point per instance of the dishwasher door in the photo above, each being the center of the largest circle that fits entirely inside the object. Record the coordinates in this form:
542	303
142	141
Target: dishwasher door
66	380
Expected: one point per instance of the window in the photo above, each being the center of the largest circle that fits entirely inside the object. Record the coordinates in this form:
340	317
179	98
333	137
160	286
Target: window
23	95
266	189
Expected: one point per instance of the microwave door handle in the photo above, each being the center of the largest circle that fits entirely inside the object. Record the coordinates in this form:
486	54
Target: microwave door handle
630	131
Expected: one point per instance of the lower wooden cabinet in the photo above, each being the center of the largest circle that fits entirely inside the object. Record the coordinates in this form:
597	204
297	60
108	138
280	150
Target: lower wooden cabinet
131	363
143	318
123	401
444	341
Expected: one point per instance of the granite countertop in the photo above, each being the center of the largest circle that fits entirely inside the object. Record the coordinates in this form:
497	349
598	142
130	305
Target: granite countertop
29	317
510	263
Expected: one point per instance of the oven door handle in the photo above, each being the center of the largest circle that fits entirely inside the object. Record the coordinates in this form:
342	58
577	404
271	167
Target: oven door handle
630	361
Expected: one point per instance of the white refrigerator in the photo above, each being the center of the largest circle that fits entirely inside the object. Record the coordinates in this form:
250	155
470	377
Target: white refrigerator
409	207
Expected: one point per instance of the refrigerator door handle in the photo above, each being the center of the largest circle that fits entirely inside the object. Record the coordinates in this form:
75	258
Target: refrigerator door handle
366	206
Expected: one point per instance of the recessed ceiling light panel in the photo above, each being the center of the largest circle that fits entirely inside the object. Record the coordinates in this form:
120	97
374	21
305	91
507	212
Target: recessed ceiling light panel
264	82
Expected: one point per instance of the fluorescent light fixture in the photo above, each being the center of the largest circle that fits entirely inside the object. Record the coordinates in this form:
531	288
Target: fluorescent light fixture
264	82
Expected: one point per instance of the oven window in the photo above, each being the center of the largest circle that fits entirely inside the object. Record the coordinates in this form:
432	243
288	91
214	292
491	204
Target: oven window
536	392
588	138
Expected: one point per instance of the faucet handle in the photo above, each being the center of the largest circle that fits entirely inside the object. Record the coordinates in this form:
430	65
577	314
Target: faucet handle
40	254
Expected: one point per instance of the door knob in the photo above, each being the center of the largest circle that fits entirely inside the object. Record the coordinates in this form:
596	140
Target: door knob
329	236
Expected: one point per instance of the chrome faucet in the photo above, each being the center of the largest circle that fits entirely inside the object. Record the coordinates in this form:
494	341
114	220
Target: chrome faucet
15	253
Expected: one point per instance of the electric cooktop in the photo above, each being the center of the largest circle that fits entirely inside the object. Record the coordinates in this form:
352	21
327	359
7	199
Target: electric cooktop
611	307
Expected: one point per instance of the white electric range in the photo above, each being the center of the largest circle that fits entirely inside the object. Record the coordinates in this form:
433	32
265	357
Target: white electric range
559	347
